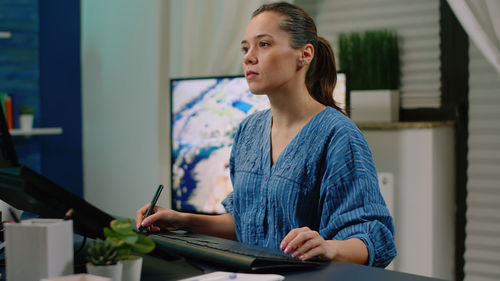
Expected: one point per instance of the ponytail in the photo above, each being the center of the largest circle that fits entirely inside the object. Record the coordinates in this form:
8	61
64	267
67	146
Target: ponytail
322	74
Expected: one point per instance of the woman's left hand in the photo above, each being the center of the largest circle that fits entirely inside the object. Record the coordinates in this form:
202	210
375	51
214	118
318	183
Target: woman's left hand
304	243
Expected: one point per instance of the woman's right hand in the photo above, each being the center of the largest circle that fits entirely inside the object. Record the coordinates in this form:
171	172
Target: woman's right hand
160	219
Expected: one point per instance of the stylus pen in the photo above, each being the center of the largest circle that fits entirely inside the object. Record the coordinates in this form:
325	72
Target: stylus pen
152	205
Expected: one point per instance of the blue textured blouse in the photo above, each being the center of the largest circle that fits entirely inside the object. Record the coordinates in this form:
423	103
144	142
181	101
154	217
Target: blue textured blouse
324	179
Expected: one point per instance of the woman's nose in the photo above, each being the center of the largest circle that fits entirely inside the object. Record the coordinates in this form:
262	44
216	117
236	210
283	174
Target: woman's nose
249	57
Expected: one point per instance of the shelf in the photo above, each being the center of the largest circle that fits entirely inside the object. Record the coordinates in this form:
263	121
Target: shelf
36	132
403	125
5	34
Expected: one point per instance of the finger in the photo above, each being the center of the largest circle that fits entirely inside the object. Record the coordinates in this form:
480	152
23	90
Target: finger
152	219
307	246
139	214
154	229
290	236
300	239
314	252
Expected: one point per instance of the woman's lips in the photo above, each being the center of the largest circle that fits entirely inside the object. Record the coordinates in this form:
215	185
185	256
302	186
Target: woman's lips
251	74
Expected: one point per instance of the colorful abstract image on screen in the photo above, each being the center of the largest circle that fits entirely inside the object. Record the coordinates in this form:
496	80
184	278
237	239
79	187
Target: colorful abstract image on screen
206	113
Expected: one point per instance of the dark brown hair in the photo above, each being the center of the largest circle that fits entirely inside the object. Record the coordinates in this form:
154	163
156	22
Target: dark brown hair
322	73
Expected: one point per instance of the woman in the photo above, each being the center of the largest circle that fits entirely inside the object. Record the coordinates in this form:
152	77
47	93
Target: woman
303	175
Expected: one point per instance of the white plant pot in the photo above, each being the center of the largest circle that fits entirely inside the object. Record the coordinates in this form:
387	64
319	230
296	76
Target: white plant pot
111	271
132	269
375	106
38	248
26	122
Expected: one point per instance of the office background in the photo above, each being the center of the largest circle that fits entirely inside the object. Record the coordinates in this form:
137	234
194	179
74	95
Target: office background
104	69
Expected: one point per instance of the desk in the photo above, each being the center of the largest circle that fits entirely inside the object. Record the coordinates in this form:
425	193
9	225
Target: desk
157	269
161	267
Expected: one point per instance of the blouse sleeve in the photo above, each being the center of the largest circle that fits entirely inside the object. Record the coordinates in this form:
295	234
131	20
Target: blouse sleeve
228	203
351	203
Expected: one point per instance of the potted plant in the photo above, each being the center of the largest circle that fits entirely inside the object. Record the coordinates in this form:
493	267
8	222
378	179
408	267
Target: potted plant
121	233
26	116
372	60
103	260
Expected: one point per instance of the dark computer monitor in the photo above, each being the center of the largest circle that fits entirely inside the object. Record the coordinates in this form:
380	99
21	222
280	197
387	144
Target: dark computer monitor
25	189
205	114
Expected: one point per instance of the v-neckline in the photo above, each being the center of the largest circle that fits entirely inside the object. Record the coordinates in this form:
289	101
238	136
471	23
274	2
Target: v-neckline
269	164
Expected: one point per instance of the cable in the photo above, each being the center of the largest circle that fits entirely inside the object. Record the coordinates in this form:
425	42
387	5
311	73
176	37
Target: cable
81	246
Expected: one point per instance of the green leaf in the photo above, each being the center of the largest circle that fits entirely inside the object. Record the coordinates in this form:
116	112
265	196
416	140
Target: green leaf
121	230
122	227
130	239
109	233
117	242
124	253
144	245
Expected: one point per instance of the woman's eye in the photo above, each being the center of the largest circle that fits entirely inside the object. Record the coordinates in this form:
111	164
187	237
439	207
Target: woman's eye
244	49
264	44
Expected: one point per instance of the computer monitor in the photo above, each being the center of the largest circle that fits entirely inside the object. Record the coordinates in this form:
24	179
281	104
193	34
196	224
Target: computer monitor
27	190
205	114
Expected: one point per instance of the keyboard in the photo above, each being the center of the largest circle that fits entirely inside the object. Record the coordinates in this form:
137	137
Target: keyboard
228	253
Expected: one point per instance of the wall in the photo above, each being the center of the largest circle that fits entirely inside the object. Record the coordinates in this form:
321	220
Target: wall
60	93
122	84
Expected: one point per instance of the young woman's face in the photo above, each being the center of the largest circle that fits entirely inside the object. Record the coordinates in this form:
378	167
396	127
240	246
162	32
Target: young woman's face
269	62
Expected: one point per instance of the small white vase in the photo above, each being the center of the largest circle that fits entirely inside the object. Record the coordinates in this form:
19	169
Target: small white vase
111	271
375	106
26	122
132	268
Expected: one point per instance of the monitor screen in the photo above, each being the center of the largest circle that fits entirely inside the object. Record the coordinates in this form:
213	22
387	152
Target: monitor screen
206	113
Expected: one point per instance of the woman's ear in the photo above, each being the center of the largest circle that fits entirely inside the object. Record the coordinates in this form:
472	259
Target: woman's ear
307	54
